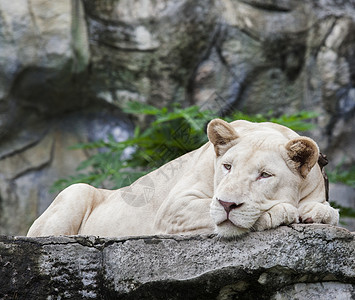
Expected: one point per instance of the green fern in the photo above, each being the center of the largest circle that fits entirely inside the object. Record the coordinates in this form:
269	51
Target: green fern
345	176
171	133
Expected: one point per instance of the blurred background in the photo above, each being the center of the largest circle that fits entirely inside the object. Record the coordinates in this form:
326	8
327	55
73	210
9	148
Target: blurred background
70	68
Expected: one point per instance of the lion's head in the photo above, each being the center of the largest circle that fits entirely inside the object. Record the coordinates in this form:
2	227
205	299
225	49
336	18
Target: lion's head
257	166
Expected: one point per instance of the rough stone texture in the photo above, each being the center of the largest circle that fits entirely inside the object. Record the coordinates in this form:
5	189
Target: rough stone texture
41	155
62	61
297	262
287	56
149	48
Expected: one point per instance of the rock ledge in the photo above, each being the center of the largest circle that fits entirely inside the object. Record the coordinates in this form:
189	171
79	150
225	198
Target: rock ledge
300	261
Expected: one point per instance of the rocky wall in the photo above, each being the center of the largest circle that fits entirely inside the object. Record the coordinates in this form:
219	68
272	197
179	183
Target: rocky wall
297	262
67	67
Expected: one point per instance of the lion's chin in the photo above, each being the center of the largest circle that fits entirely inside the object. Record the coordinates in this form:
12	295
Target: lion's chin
227	229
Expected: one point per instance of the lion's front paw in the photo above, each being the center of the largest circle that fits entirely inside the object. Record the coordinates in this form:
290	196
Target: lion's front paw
280	214
315	212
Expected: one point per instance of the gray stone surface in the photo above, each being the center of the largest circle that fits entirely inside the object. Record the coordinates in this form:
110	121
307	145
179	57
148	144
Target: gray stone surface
29	170
297	262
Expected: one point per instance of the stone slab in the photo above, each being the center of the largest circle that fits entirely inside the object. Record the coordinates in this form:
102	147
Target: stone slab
306	261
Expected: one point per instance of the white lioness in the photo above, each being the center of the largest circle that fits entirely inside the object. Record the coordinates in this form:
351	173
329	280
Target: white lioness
248	177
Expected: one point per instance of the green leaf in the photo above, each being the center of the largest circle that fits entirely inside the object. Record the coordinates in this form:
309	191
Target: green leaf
342	175
345	212
138	108
171	133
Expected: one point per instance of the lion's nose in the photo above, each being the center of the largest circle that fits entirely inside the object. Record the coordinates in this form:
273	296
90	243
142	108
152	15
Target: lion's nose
228	206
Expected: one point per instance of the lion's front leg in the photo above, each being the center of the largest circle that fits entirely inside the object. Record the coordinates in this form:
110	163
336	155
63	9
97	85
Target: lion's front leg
280	214
315	212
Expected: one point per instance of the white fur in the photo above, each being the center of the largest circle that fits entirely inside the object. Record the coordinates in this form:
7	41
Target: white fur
182	196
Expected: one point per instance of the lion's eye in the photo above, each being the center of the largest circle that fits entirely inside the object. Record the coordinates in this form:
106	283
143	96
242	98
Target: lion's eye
228	167
264	175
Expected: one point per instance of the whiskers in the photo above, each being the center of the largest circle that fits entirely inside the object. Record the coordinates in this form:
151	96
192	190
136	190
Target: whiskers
253	228
246	217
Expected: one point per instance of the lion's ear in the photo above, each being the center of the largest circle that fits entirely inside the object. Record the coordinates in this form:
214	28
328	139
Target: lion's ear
304	153
222	135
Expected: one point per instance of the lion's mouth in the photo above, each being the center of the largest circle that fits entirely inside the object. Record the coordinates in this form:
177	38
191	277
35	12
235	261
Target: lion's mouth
229	223
228	229
226	222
